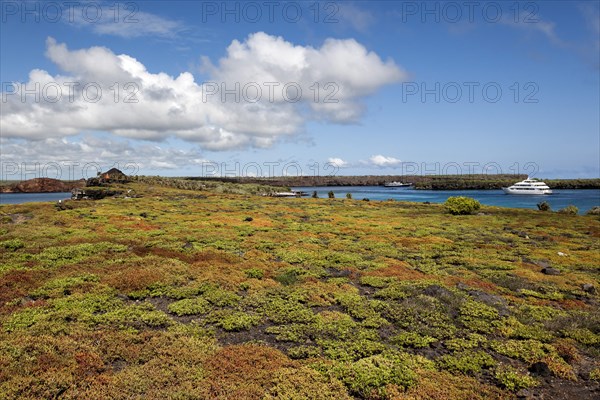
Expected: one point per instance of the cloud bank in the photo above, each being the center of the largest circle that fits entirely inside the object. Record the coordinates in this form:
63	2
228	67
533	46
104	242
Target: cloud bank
263	90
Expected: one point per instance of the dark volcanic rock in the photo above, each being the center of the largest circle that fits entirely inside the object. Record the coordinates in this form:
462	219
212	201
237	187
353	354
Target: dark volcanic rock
588	288
542	263
540	369
550	271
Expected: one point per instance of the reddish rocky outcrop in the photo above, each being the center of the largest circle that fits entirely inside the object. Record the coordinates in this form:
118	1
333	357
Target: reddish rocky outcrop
42	185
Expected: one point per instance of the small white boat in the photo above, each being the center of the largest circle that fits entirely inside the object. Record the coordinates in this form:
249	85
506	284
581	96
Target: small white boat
397	184
288	194
528	186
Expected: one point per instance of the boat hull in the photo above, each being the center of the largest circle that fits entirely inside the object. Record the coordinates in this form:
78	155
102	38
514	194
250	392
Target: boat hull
393	185
527	192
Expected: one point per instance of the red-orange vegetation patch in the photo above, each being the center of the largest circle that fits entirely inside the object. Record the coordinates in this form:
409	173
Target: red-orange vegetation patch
143	251
89	364
572	304
225	275
134	277
114	218
440	385
567	349
242	371
400	270
214	256
262	222
144	226
594	231
36	304
16	283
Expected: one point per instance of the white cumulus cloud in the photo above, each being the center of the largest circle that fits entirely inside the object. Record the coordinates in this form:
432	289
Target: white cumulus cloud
338	162
383	161
99	90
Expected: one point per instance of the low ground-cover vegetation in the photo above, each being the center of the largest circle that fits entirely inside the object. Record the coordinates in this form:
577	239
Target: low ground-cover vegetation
173	294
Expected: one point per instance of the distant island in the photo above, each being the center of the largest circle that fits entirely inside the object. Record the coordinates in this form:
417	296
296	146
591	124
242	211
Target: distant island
419	182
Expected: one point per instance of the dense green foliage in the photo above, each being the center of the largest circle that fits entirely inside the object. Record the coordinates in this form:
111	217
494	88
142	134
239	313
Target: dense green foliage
459	205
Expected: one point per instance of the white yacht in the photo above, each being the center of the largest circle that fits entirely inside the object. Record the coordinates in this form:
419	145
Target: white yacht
528	186
397	184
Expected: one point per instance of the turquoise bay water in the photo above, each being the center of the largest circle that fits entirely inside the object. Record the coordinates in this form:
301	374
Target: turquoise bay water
582	199
18	198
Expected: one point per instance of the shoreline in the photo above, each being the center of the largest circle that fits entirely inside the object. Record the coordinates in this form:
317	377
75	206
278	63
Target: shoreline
427	182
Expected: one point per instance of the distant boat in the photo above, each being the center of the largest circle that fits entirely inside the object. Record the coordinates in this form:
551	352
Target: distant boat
397	184
528	186
288	194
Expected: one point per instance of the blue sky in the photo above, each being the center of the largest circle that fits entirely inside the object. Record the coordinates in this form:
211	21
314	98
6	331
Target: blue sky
417	87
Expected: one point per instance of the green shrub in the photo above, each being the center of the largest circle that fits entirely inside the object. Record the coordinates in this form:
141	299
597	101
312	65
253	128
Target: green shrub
413	339
331	195
299	352
466	362
512	379
289	333
356	305
593	211
281	311
478	316
369	377
288	277
315	195
221	297
12	245
375	281
527	350
349	196
254	273
62	286
583	336
458	344
460	205
543	206
135	316
238	321
189	306
570	209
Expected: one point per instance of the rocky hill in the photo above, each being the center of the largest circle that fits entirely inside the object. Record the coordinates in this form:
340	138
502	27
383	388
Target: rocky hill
41	185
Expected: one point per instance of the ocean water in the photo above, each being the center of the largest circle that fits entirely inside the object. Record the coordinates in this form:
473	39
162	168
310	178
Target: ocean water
582	199
18	198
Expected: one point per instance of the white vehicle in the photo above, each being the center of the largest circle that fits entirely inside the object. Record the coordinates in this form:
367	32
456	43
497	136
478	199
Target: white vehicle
528	186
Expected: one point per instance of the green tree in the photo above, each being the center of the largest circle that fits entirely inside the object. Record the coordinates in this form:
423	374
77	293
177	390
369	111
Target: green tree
460	205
